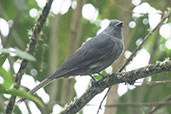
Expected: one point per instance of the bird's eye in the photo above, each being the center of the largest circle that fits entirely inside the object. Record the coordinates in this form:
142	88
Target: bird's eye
110	24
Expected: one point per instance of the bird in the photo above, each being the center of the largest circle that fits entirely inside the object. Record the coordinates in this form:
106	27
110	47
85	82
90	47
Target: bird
92	57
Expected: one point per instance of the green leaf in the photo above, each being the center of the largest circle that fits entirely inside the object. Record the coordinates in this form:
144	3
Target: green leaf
2	59
16	92
98	77
19	53
8	80
25	55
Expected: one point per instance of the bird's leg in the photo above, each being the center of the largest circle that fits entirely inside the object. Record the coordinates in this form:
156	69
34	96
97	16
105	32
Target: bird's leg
103	76
93	78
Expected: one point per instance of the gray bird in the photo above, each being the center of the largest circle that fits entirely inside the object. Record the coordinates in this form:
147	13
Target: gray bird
92	57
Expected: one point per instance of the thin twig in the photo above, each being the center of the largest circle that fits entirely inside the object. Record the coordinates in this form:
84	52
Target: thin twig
135	105
128	104
31	48
134	52
151	83
100	106
160	105
145	38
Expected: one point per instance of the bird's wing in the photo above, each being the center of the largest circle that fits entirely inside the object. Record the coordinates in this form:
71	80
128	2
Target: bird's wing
92	51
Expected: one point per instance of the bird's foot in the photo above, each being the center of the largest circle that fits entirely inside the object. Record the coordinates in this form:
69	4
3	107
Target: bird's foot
93	80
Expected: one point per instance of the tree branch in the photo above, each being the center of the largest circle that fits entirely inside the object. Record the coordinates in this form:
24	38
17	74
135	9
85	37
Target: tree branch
31	48
120	77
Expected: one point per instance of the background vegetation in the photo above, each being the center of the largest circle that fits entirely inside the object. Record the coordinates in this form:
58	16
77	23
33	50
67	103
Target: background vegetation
63	33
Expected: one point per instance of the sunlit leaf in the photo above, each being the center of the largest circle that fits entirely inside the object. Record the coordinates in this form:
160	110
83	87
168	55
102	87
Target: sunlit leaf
19	53
2	59
16	92
25	55
8	80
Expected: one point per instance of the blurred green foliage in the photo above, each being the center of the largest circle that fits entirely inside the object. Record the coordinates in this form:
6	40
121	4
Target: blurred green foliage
19	37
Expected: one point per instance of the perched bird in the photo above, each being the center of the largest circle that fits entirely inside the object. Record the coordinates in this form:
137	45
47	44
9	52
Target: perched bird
92	57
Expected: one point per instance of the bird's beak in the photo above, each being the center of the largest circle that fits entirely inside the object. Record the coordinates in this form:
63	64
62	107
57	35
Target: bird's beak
119	24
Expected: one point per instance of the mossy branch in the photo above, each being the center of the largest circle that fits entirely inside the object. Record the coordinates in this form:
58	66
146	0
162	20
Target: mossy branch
121	77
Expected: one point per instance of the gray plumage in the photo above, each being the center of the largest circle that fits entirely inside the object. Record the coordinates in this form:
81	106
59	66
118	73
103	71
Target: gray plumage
92	57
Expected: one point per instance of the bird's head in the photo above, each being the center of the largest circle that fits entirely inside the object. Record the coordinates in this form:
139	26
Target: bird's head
114	28
115	24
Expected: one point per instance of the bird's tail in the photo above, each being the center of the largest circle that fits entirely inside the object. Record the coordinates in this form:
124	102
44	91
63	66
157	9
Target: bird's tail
40	85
